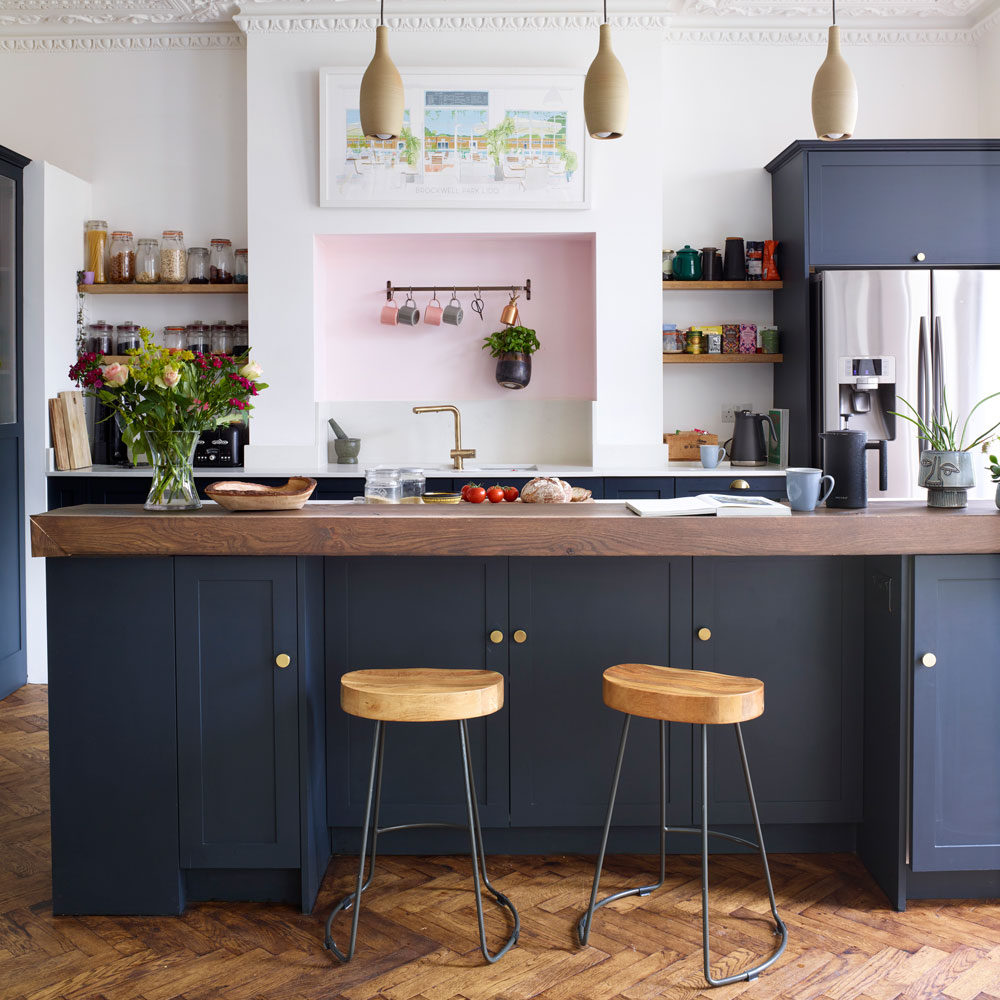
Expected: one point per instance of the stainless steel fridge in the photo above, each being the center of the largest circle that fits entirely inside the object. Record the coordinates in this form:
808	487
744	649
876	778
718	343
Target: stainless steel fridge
929	333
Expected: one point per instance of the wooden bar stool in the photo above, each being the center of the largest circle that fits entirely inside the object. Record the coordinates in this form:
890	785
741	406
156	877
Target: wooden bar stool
421	695
701	698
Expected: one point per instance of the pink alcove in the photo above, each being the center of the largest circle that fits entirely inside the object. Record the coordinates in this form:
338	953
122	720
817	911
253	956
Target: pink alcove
367	360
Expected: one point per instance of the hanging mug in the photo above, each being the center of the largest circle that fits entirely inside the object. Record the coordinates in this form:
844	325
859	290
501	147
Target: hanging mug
390	313
509	315
432	314
408	314
453	312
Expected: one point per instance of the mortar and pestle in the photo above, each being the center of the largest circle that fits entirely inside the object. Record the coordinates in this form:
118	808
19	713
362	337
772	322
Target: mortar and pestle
347	448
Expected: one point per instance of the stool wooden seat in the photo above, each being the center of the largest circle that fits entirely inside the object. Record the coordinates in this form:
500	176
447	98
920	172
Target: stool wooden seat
673	695
421	694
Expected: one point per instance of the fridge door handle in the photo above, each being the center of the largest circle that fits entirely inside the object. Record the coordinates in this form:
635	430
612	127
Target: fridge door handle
937	370
923	380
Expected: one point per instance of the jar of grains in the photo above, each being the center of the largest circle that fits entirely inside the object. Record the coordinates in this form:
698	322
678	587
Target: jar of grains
412	485
197	269
221	262
147	262
198	337
174	337
122	266
241	339
173	257
242	267
100	337
127	337
95	249
222	338
382	486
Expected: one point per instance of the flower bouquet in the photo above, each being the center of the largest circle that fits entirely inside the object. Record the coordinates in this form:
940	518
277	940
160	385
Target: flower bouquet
169	397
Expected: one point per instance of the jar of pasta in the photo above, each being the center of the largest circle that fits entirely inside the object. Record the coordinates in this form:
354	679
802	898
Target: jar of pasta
147	262
122	263
95	249
173	257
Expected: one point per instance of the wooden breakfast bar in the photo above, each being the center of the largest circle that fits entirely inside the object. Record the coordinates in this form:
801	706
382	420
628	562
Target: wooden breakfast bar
199	751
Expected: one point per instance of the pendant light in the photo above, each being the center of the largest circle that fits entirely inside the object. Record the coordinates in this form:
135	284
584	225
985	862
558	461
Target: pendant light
381	89
834	93
605	91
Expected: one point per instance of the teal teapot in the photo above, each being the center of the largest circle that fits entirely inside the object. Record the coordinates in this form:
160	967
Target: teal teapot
687	264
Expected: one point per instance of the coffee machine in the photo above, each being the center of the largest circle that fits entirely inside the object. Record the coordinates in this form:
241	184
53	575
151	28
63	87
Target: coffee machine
866	392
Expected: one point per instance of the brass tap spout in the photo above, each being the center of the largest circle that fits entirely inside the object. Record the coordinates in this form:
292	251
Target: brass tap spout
458	452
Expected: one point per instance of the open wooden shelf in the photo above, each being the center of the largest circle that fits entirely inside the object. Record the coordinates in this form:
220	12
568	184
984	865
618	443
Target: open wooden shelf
722	286
722	359
163	289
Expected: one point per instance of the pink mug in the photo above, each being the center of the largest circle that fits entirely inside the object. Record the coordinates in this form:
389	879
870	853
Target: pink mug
389	313
433	312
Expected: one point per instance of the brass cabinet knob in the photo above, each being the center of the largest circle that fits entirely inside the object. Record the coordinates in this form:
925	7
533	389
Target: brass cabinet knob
496	636
739	484
704	634
282	660
920	256
928	659
520	635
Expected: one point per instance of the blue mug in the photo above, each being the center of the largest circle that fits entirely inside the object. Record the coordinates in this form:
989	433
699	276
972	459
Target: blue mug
711	455
804	486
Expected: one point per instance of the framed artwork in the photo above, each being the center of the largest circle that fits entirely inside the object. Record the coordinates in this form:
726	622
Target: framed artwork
470	139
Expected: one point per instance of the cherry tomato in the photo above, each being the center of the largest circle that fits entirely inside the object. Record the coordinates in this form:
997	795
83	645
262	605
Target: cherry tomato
510	493
476	495
465	490
495	494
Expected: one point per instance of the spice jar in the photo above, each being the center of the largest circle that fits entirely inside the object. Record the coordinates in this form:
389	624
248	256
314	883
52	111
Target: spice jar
122	270
173	258
222	338
197	266
174	337
242	268
240	345
100	337
147	262
221	263
412	485
198	337
95	249
127	337
382	486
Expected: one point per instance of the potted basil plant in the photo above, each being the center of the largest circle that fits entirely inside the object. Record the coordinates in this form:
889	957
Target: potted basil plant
512	347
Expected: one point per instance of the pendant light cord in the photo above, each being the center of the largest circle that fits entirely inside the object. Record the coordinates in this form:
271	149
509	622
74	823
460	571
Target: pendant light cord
605	11
381	11
834	10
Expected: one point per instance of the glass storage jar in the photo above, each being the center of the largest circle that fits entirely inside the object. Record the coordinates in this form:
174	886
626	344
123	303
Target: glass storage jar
222	338
241	339
198	337
95	249
127	337
221	262
147	262
197	266
122	262
382	486
174	337
242	268
173	257
412	484
100	337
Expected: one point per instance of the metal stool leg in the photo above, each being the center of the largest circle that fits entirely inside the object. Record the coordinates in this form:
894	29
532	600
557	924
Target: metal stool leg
479	856
371	820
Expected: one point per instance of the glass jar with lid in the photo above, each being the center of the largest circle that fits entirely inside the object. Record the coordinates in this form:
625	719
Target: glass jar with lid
241	339
221	263
197	266
100	337
242	275
127	337
222	338
412	485
122	262
174	337
382	486
147	262
198	337
95	249
173	257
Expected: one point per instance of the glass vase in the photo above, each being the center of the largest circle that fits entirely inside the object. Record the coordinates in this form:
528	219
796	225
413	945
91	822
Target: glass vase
171	454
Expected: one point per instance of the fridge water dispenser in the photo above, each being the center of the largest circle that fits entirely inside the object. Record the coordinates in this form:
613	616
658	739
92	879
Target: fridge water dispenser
868	396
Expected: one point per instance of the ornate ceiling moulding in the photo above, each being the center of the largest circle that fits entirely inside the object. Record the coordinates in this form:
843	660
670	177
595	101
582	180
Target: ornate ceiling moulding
119	12
817	36
190	41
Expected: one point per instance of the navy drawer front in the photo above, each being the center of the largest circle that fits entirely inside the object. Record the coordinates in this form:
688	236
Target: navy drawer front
772	487
638	488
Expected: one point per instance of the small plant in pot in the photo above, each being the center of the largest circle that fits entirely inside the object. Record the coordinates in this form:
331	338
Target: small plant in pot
512	347
994	469
947	470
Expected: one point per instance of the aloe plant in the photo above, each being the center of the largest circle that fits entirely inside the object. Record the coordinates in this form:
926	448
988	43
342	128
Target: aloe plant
939	434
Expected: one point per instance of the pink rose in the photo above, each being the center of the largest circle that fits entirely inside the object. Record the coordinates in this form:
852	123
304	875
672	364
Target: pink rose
116	374
251	370
170	377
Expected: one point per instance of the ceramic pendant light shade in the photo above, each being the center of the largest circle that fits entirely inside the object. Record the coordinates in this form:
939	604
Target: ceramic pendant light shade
834	94
381	92
605	92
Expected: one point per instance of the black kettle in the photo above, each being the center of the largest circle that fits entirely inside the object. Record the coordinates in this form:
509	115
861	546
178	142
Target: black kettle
748	445
844	458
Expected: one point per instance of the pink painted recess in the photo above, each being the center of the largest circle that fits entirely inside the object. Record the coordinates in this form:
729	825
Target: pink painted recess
366	360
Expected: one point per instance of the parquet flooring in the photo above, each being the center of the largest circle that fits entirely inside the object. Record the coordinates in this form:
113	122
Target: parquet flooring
418	940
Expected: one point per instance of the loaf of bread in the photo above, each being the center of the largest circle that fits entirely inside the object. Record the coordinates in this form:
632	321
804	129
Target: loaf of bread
546	489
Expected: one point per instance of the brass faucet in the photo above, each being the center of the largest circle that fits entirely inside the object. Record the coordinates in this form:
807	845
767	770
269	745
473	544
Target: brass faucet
458	452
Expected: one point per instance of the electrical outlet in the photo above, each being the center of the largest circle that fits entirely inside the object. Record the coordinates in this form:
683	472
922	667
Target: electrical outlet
728	413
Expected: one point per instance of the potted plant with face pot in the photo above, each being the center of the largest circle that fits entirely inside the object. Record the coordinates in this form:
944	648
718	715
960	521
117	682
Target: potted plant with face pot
947	470
512	347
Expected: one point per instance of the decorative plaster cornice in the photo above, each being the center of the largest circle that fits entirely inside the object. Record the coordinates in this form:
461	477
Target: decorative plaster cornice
986	26
299	22
124	12
815	36
190	41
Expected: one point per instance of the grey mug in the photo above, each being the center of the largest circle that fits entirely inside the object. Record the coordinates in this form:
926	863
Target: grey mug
804	488
453	312
408	314
711	455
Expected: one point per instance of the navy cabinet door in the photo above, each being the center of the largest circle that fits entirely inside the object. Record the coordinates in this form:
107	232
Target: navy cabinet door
881	209
640	488
433	612
796	623
956	704
581	616
772	487
237	712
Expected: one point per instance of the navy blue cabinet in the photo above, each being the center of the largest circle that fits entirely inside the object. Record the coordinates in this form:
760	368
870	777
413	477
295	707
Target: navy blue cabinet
735	484
956	703
237	712
638	488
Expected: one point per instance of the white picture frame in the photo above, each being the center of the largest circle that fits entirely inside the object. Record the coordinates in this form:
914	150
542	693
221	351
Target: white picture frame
451	159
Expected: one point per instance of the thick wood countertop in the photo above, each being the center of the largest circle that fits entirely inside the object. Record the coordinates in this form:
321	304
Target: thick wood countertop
595	529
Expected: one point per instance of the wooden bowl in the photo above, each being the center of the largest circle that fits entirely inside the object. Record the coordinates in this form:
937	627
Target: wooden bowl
237	495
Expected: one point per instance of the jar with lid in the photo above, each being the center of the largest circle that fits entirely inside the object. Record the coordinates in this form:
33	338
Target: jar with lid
198	337
222	338
122	265
241	339
412	485
221	263
147	262
382	486
174	337
173	257
100	337
197	266
127	337
95	249
242	275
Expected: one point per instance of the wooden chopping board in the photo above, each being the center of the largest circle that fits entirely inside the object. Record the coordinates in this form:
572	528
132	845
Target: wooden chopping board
68	421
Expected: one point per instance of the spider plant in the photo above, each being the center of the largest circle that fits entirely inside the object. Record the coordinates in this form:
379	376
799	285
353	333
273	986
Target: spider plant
939	434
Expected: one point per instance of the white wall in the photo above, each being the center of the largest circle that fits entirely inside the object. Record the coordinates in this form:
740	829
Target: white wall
988	65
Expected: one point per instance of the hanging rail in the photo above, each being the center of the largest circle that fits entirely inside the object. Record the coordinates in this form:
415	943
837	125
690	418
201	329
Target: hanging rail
390	288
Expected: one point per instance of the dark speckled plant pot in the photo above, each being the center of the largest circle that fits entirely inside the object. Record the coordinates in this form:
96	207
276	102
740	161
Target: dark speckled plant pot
514	370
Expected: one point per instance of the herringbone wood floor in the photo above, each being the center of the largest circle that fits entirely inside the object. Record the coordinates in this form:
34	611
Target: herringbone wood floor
418	941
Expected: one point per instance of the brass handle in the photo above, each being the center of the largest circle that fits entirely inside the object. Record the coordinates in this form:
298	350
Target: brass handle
282	660
739	484
920	256
928	659
496	636
520	635
704	634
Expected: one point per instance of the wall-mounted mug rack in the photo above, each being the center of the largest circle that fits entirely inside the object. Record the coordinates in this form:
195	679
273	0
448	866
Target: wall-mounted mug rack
391	289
